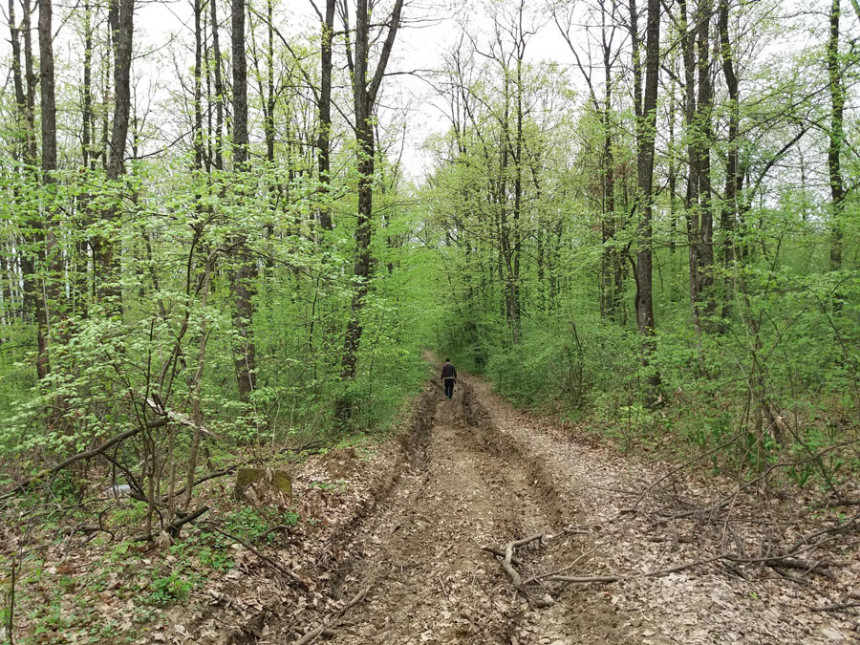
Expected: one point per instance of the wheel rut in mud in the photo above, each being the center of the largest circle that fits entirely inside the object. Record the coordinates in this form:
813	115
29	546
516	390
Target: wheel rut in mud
418	553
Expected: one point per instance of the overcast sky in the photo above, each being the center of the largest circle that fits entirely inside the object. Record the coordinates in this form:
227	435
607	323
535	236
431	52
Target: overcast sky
419	47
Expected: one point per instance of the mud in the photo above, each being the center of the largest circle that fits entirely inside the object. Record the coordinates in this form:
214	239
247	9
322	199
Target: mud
464	486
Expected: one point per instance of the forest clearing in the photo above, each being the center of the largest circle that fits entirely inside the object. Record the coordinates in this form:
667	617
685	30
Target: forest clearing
238	236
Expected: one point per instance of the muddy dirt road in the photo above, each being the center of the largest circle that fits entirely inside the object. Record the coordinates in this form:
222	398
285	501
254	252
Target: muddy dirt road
429	580
478	475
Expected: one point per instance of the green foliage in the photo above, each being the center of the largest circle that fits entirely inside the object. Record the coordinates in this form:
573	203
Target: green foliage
170	588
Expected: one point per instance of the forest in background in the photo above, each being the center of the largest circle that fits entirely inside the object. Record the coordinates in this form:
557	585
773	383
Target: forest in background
653	235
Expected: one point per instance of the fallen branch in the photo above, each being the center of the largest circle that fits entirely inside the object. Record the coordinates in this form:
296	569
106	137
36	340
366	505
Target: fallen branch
558	572
507	563
277	566
839	528
182	519
689	462
501	554
588	579
326	624
843	607
508	559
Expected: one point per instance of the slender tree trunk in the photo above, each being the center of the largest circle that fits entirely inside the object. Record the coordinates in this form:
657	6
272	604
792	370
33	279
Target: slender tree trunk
87	89
49	167
88	157
691	199
673	171
365	91
729	213
121	23
646	121
835	137
33	305
611	258
324	135
703	305
271	99
219	88
245	272
198	85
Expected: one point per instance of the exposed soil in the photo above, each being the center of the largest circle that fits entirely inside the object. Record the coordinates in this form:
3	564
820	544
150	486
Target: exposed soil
478	474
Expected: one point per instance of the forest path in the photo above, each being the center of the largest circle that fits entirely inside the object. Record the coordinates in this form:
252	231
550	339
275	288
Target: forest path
428	579
478	473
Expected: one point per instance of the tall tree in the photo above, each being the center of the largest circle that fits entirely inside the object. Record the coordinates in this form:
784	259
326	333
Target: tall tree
645	109
734	177
33	304
245	271
612	257
835	135
49	167
366	84
219	87
699	217
121	25
324	135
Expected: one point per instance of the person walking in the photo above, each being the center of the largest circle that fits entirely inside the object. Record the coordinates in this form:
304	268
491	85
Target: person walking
449	377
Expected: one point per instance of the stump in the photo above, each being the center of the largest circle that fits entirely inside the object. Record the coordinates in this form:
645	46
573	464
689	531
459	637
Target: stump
263	480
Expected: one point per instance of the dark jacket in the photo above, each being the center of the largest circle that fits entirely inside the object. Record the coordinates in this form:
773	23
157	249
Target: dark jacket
448	371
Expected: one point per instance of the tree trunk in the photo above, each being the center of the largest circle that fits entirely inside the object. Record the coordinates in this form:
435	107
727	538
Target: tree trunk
835	137
219	89
198	86
49	166
121	23
703	304
324	135
33	306
646	121
365	92
245	271
729	213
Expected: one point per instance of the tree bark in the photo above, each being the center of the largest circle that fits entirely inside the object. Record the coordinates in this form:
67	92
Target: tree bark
702	298
49	167
324	135
365	88
33	306
121	24
245	271
219	88
646	121
835	137
734	178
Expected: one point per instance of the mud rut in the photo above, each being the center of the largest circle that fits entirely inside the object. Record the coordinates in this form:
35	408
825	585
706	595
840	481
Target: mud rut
420	558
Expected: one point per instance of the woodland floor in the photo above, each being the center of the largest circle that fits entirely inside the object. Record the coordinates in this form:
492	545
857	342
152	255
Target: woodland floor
397	555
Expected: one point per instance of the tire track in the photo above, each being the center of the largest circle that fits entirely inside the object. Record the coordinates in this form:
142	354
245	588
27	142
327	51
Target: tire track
464	485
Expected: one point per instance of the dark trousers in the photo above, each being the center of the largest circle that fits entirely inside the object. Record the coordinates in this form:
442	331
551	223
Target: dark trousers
449	387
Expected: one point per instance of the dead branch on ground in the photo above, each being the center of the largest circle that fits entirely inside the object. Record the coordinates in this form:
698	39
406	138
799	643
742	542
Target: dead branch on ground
277	566
328	624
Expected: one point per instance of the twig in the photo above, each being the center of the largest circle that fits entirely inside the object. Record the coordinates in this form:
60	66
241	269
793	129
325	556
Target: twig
182	519
842	607
587	579
508	559
501	554
266	559
689	462
562	570
26	485
325	626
